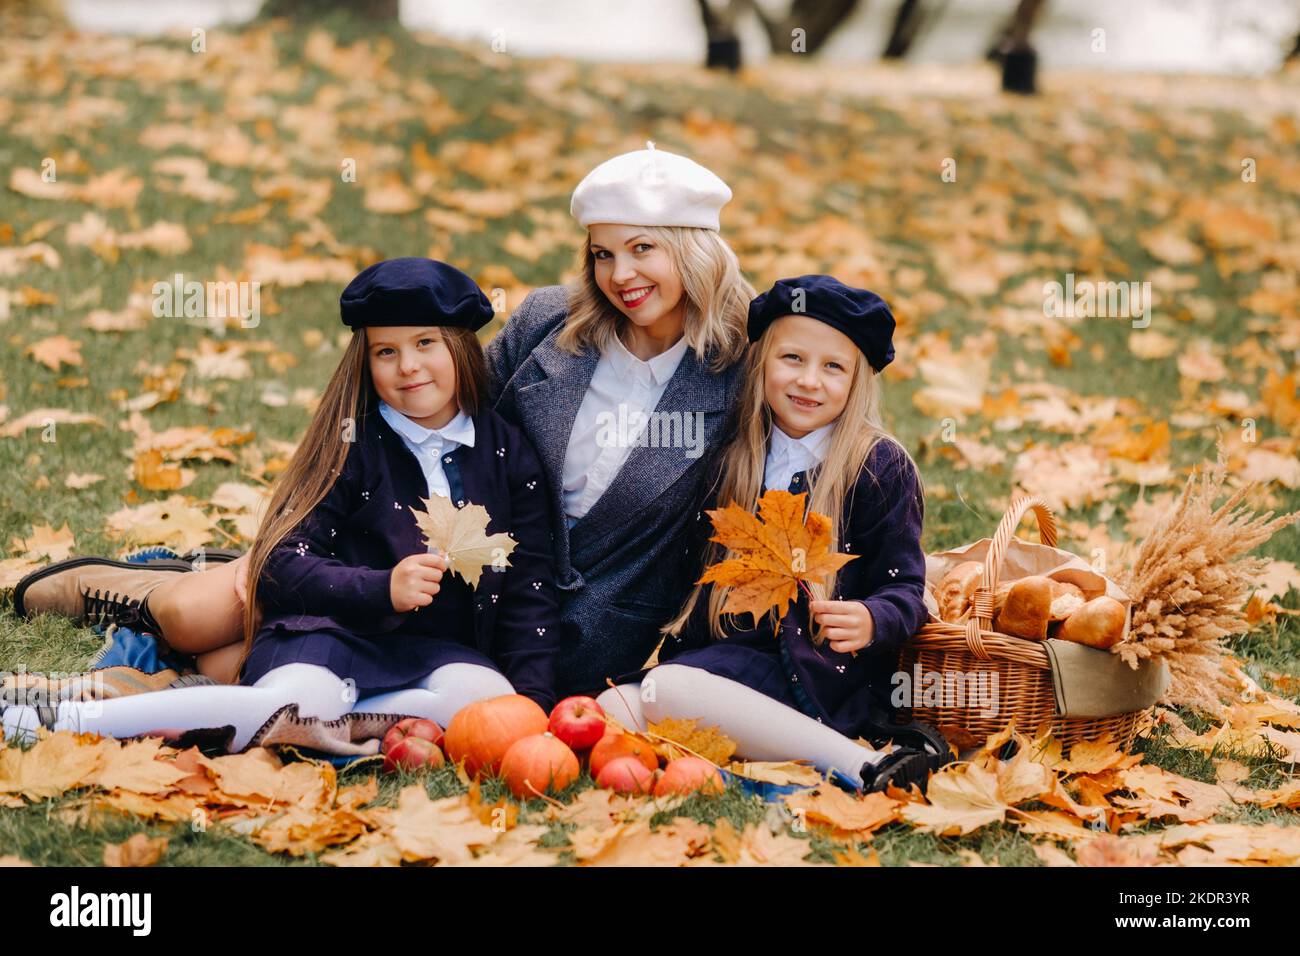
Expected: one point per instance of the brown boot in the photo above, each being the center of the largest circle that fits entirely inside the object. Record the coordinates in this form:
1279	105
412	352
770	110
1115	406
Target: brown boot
94	590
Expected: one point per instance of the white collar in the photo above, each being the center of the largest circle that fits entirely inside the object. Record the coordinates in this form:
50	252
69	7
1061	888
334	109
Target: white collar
459	430
812	447
660	368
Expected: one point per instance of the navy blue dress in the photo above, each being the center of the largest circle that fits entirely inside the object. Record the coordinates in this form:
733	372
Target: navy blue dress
881	524
325	590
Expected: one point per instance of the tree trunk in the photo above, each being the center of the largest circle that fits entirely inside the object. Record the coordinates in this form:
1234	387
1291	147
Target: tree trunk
1016	29
907	24
1019	59
817	18
720	31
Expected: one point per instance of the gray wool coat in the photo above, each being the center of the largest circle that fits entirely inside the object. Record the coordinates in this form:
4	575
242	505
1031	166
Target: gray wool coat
622	570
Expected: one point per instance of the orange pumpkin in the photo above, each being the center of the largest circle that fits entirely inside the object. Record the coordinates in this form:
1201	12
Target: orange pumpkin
482	732
612	746
688	774
539	763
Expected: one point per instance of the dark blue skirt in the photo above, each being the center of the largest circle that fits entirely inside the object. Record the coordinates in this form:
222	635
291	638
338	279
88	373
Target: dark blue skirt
374	663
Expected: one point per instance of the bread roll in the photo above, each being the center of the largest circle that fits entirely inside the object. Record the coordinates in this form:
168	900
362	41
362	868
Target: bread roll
1066	599
1027	609
957	590
1099	623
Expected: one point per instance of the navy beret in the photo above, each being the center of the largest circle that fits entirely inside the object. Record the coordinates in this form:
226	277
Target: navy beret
414	291
861	315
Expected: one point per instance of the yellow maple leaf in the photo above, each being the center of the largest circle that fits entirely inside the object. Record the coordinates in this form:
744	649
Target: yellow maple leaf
139	850
56	545
773	553
707	742
831	806
461	534
55	351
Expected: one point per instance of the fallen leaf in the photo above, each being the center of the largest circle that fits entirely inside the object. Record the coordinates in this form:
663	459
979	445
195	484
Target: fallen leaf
55	352
46	542
139	850
461	534
707	742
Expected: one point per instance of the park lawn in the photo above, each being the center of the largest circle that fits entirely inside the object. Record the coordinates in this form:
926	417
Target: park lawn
830	173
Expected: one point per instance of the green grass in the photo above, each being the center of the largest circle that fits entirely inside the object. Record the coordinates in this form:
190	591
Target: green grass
872	163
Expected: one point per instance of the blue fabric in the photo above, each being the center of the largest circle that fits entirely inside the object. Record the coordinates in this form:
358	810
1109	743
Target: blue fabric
139	650
777	792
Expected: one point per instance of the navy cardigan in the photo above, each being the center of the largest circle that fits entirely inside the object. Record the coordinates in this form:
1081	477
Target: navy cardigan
333	570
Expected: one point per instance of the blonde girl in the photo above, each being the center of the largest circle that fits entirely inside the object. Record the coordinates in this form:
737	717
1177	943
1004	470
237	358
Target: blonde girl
807	685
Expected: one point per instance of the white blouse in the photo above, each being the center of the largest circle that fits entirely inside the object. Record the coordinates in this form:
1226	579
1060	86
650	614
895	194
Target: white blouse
787	456
429	445
598	446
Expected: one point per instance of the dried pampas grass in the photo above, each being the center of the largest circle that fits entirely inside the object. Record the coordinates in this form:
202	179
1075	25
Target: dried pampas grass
1190	582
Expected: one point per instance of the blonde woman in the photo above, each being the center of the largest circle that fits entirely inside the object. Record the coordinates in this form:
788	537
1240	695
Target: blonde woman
811	683
623	383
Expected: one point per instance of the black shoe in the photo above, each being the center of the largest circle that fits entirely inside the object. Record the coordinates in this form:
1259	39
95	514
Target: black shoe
113	607
918	736
901	768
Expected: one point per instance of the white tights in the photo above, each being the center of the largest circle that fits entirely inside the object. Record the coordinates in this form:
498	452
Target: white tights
763	728
315	689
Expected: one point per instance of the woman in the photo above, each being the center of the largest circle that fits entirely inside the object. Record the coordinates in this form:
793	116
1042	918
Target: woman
622	383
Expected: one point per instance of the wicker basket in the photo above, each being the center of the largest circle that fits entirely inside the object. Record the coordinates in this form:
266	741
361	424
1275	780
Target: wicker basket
1025	692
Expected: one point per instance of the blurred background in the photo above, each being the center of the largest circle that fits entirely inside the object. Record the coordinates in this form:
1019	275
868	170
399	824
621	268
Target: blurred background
1228	36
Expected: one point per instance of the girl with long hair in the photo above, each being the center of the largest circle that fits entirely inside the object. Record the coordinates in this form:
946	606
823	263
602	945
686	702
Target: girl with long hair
809	683
344	599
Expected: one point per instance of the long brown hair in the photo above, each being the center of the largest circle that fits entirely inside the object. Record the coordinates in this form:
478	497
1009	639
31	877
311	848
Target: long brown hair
742	461
717	297
320	456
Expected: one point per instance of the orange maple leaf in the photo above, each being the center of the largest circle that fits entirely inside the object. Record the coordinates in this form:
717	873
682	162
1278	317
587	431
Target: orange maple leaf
772	553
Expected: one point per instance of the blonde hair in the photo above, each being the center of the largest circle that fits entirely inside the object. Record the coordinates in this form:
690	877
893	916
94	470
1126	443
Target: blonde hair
319	459
742	460
716	292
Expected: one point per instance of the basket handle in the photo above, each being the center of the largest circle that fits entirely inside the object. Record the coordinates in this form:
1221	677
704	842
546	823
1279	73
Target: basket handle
981	617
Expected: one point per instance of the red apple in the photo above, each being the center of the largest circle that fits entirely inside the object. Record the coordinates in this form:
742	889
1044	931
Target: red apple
612	746
688	774
626	775
412	753
412	727
578	721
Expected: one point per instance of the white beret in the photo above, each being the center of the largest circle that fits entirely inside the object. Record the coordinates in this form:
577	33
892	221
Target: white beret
649	187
